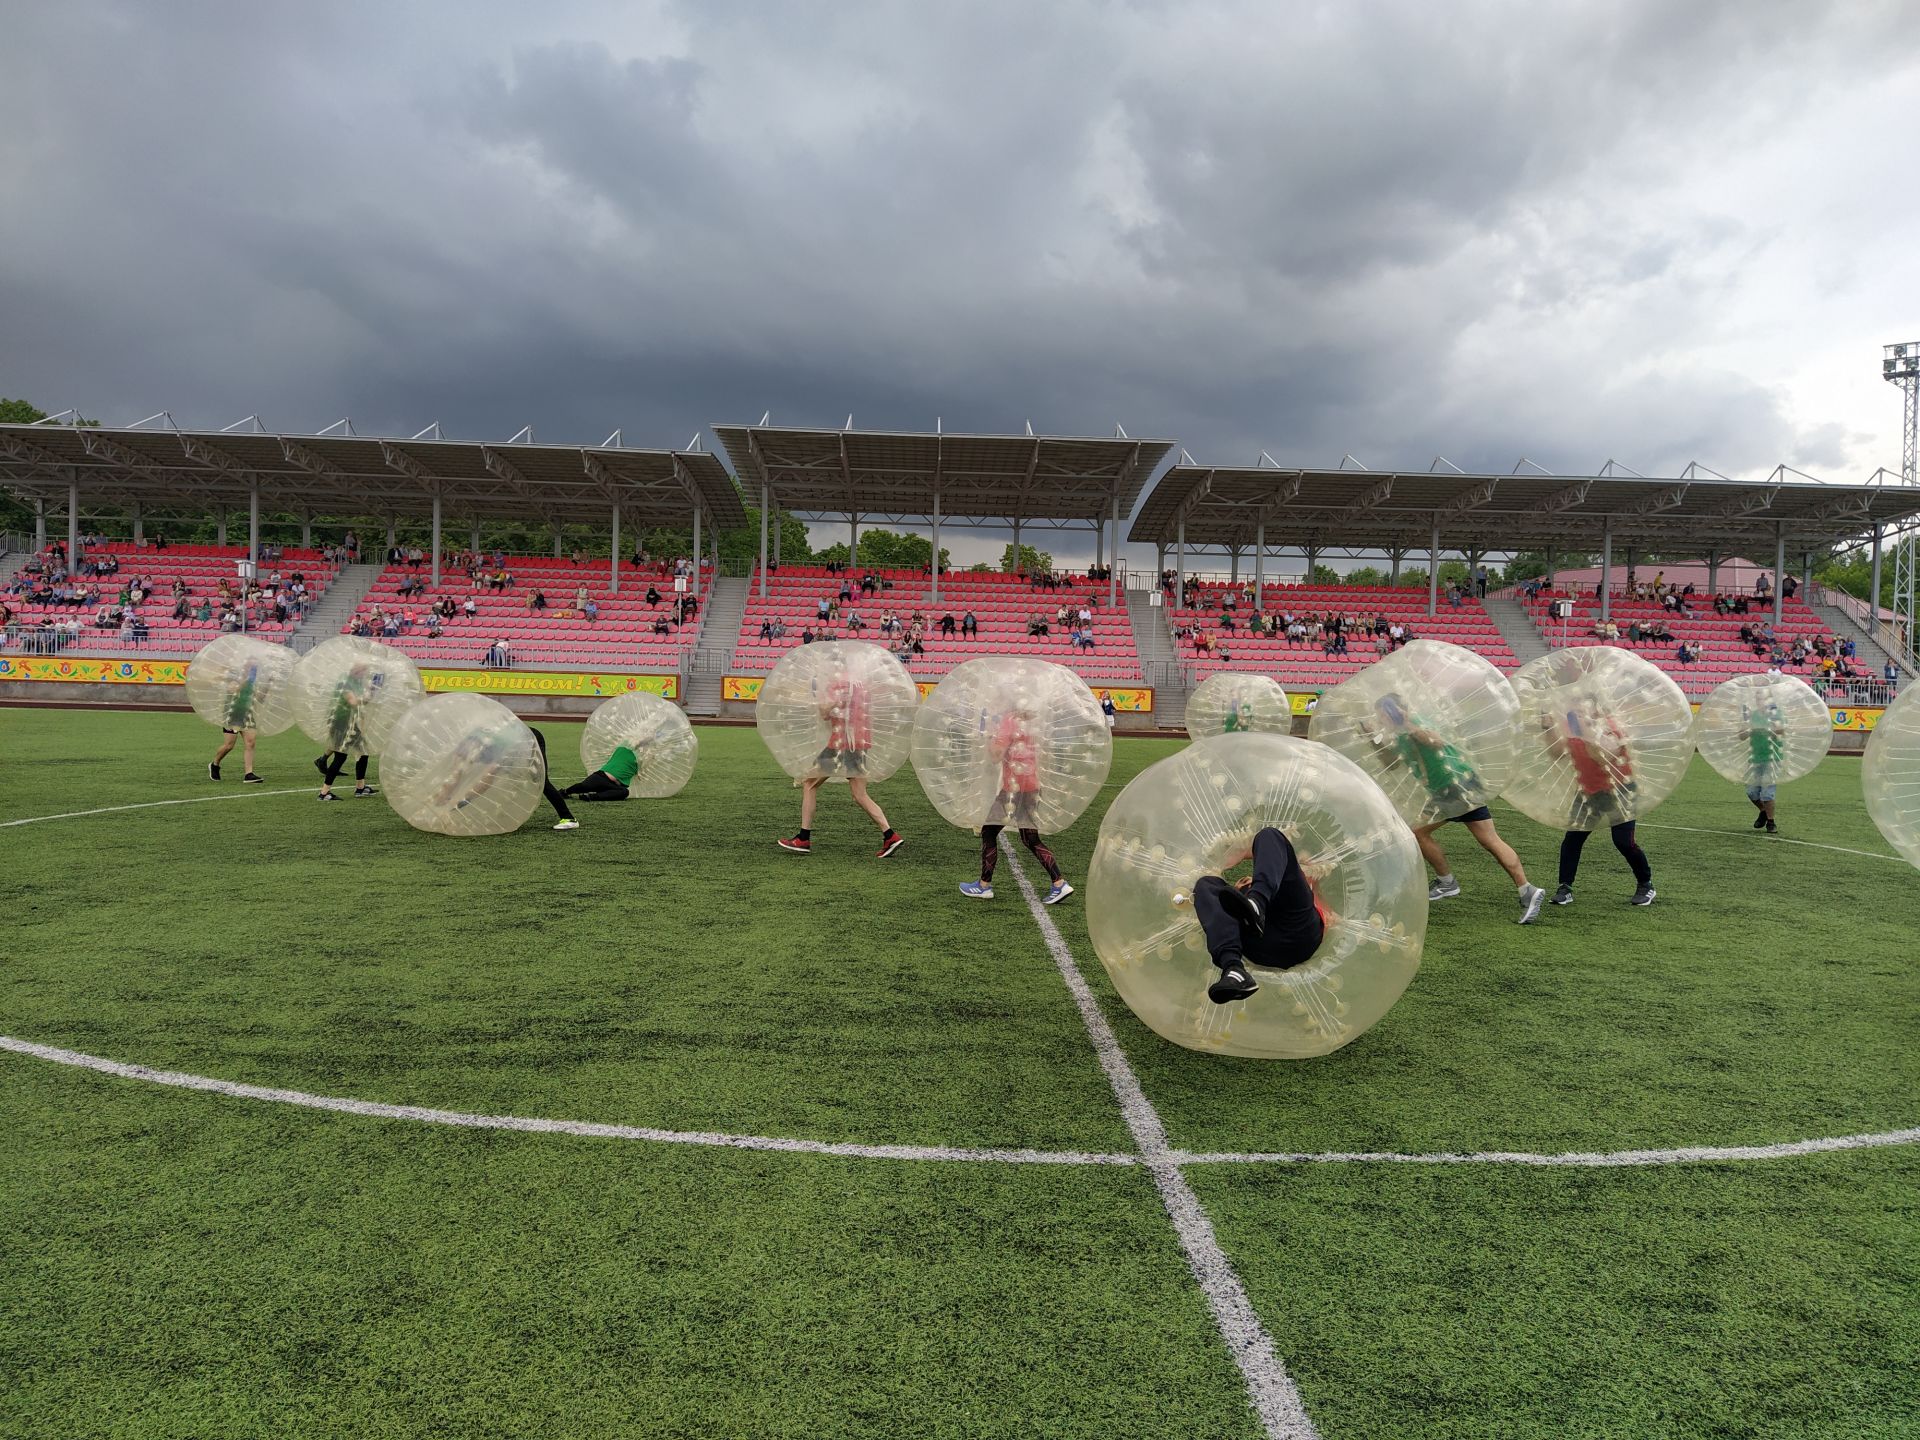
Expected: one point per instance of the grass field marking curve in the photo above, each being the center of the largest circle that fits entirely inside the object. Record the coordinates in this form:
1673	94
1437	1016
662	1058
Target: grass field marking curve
1778	840
1276	1399
1572	1159
149	805
531	1124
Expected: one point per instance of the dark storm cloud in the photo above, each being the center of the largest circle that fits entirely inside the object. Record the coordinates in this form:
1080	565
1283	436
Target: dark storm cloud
1399	230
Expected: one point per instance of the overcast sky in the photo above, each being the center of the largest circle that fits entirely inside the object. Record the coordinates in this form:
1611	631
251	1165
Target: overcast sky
1653	232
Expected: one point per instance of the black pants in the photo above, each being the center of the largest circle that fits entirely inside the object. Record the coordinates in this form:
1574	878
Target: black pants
990	852
1574	841
1293	930
597	786
334	761
554	797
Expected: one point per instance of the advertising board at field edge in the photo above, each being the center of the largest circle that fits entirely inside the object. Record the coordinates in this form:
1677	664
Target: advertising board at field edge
86	671
1128	699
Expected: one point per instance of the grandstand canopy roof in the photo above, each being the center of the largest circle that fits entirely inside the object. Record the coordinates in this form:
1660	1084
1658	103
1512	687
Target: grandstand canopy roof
357	474
825	473
1329	509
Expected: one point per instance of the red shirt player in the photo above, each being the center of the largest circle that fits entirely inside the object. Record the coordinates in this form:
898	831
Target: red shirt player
1018	751
846	707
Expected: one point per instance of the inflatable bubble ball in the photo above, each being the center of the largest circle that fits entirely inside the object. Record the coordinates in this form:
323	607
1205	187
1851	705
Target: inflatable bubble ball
1763	729
462	765
240	683
1604	738
838	710
655	729
1013	742
1226	703
1196	814
1890	775
349	693
1435	725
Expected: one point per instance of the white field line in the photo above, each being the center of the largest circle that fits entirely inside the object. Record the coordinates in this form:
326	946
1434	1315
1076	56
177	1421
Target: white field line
1778	840
248	794
1573	1159
1275	1398
590	1129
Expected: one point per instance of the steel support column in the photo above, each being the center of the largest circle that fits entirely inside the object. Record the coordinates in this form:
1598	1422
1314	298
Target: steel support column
139	525
1779	574
253	524
1233	571
73	524
39	525
613	567
1713	574
693	585
1606	568
436	540
1113	560
936	545
1260	565
1180	564
763	542
306	529
220	525
1433	568
1016	545
1873	593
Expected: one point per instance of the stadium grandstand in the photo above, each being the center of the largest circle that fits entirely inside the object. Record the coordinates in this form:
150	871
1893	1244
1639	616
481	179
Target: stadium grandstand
1242	578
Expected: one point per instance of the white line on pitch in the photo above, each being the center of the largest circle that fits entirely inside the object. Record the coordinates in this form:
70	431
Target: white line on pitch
146	805
590	1129
1592	1160
1275	1398
1776	840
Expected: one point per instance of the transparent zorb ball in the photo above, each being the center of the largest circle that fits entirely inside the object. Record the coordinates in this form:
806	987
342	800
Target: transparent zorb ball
1018	742
655	729
1761	730
1435	725
1228	703
1604	738
349	693
1195	814
1890	775
240	683
462	765
838	710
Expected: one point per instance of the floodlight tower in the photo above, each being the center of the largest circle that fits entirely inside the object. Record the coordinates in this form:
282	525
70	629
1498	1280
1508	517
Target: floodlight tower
1900	365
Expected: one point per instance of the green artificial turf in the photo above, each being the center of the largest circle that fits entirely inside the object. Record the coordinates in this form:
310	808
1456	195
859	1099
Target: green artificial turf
182	1264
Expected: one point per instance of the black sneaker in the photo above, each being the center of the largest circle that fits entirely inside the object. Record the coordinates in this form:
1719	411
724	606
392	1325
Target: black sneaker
1563	896
1245	908
1760	821
1771	827
251	779
362	791
213	771
1643	896
328	795
1234	984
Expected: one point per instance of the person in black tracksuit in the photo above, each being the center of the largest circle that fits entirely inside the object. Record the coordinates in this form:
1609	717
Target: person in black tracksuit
1272	919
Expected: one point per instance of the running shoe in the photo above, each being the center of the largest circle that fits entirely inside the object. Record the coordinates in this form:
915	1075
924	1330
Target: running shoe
1061	889
795	844
1234	984
1532	897
1643	896
977	890
1760	821
360	792
1563	896
568	825
1244	907
251	779
213	771
1771	827
1443	889
327	795
887	847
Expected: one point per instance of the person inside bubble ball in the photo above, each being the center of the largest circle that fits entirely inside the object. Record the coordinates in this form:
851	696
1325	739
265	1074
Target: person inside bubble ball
239	724
1017	749
1450	779
344	729
1272	918
1767	743
1603	771
611	780
845	707
1239	716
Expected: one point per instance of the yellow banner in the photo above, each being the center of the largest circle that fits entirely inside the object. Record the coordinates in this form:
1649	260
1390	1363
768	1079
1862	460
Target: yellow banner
1135	699
1864	718
551	682
1302	701
85	671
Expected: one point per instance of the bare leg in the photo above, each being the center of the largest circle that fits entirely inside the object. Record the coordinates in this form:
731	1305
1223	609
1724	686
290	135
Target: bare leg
1430	849
248	751
866	802
1766	808
227	742
809	791
1490	841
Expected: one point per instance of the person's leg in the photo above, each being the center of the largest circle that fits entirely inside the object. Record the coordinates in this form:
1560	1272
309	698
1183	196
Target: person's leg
1431	852
809	796
248	738
599	786
1626	842
330	766
227	742
1031	839
360	786
989	851
1490	841
866	802
1571	844
1226	941
553	796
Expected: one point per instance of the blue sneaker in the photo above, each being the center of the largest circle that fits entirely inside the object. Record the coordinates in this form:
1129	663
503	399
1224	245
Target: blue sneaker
977	890
1059	892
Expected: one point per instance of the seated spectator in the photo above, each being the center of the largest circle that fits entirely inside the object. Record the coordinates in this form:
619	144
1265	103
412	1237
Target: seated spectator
1036	624
969	625
823	609
590	609
435	629
580	598
1226	620
854	622
1684	654
947	624
471	608
806	636
662	626
499	654
766	629
653	594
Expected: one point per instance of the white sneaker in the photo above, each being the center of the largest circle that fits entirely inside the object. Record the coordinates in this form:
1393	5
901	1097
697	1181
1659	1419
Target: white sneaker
568	825
1532	897
1443	890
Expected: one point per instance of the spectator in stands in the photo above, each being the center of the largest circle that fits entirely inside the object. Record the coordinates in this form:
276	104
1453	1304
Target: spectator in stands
653	594
580	596
536	599
1203	642
854	623
1762	586
435	629
589	609
1788	587
947	624
471	607
806	635
1890	673
766	630
824	609
1633	632
499	655
661	626
1684	654
389	626
1036	624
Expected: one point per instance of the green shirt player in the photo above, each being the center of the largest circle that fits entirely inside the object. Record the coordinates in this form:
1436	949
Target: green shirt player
239	724
611	780
1767	745
1452	784
344	729
1239	717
